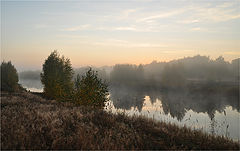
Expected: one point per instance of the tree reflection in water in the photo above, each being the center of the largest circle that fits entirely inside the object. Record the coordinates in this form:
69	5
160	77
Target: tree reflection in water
127	97
175	102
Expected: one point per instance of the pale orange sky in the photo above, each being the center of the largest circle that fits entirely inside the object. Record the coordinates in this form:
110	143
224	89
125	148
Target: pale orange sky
102	33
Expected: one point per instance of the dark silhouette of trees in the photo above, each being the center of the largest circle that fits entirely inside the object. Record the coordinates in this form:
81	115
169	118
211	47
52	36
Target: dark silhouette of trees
236	69
90	90
221	69
126	74
173	76
9	77
197	68
57	77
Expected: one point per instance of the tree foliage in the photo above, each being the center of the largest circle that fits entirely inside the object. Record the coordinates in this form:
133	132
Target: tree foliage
173	76
57	77
90	90
9	77
127	74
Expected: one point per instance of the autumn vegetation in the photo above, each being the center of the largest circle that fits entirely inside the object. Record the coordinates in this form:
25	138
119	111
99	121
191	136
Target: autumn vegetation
31	122
9	77
57	79
70	115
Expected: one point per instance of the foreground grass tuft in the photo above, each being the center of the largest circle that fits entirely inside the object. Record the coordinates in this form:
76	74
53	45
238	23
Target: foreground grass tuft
31	122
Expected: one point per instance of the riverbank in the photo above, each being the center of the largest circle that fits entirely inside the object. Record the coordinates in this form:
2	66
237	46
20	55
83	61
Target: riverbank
30	122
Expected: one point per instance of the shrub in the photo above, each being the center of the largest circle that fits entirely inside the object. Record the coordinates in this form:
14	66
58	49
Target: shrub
57	77
90	90
9	77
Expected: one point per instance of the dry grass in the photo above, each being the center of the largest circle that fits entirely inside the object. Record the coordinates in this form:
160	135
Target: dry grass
31	122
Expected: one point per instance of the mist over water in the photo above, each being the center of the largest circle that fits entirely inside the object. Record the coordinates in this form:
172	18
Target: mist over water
31	85
196	91
31	80
215	114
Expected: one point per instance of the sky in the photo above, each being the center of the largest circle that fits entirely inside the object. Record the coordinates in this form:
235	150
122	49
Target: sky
108	32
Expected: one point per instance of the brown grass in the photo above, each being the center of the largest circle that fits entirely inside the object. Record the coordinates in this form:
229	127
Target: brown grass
31	122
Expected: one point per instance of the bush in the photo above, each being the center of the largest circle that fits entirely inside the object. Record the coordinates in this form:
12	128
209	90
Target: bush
90	90
9	77
57	77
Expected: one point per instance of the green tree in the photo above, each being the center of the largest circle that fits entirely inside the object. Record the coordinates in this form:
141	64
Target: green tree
56	77
9	77
90	90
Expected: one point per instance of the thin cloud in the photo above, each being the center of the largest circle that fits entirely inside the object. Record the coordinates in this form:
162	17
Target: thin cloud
126	28
72	36
123	43
225	5
127	12
40	26
77	28
189	21
162	15
132	28
211	14
220	13
197	29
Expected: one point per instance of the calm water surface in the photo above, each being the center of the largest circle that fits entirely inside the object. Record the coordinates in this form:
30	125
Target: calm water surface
212	113
224	123
32	85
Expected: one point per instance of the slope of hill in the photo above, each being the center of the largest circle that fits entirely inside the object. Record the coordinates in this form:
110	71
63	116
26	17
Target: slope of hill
31	122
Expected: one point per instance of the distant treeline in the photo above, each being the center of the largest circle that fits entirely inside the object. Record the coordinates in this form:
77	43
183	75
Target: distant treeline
176	73
196	68
35	75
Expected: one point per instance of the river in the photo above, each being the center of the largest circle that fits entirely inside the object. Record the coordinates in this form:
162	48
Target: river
212	113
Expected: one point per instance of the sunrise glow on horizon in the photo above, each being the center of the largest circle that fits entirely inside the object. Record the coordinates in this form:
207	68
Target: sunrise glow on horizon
99	33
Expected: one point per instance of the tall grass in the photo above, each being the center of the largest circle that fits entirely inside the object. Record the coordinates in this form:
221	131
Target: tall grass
31	122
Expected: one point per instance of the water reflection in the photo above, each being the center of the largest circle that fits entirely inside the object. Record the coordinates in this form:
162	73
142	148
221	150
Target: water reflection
125	98
215	113
174	102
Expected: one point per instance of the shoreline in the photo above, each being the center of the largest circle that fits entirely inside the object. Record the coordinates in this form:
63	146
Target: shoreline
31	122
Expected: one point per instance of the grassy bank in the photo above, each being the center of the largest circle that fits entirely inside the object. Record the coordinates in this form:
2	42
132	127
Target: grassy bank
31	122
